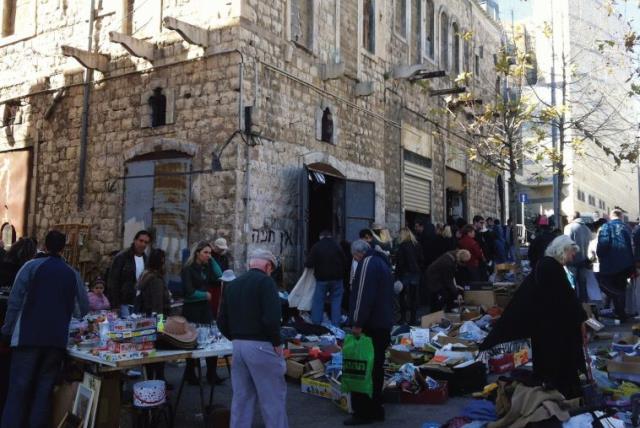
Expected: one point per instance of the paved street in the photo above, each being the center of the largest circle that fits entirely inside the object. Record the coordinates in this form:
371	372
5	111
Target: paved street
309	411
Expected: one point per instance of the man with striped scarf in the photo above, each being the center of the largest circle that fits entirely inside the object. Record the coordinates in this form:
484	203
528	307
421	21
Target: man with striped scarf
371	310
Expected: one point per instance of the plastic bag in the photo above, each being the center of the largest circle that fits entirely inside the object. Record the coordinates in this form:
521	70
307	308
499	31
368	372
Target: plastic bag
357	365
301	296
593	288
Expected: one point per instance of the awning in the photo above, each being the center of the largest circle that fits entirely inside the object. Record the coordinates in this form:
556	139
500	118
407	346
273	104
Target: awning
454	180
325	169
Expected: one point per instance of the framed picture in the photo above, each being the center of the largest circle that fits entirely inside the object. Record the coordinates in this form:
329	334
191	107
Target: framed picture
82	404
70	421
95	383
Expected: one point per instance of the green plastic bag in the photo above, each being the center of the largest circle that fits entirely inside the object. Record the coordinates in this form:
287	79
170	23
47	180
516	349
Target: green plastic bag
357	365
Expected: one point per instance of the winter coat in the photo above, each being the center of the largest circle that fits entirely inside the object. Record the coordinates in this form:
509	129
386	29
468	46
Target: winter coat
441	273
121	284
372	292
581	235
98	302
615	251
471	245
197	280
154	294
326	258
409	259
555	334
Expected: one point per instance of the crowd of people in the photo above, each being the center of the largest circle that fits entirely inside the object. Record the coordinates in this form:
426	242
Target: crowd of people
431	262
426	264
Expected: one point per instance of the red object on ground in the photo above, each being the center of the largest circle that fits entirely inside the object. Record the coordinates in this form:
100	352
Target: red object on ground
501	364
438	395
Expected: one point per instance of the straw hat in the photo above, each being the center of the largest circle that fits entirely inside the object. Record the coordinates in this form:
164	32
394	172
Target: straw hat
179	333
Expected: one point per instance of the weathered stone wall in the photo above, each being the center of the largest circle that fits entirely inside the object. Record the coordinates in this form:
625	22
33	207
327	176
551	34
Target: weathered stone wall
280	80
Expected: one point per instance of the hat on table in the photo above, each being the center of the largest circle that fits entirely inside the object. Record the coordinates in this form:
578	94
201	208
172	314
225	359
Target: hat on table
228	276
178	333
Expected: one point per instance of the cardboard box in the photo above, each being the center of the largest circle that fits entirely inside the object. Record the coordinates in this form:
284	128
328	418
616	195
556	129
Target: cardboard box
314	366
430	319
484	298
295	370
624	370
339	398
319	386
400	357
469	346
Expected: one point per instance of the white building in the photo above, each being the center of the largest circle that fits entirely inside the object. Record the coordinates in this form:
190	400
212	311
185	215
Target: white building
569	37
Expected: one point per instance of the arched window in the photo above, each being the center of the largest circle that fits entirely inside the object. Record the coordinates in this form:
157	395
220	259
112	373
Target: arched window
444	41
466	56
8	234
456	48
430	30
327	126
158	103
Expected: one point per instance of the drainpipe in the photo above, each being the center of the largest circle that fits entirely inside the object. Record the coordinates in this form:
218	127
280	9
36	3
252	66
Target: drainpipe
84	132
247	178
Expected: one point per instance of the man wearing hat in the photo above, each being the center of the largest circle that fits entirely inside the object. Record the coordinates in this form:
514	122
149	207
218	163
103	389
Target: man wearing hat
250	316
220	253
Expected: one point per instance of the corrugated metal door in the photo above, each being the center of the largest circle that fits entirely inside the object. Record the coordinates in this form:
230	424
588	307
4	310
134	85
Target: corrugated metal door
360	207
417	188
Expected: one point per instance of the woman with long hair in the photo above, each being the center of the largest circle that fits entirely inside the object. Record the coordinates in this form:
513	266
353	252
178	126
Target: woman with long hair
20	252
154	298
198	278
408	269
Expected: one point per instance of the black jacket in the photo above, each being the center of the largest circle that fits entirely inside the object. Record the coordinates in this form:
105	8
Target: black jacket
555	333
154	294
250	309
372	292
409	259
327	260
441	273
121	284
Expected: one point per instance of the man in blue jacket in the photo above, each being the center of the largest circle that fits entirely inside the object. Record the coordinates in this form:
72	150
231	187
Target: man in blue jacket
371	309
44	295
615	253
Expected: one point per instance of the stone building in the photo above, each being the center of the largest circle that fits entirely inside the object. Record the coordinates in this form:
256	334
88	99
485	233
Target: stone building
262	121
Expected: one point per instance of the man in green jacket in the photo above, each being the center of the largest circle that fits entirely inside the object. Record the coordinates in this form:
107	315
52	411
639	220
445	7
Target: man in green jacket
250	317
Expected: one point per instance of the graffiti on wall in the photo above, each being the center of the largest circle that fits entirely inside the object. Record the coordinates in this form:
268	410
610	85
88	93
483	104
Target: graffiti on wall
266	235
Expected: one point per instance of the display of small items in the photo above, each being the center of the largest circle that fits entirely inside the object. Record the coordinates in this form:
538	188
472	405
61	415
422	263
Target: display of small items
112	338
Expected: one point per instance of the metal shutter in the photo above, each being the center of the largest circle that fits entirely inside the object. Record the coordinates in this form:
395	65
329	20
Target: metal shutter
417	188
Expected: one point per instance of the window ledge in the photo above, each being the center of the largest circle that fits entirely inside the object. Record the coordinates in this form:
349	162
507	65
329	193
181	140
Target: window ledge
400	37
303	47
15	38
369	55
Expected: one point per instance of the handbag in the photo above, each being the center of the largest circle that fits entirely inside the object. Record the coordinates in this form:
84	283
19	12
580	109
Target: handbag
301	296
357	365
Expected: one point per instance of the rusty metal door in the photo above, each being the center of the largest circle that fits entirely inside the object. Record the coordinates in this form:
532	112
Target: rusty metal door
170	216
157	194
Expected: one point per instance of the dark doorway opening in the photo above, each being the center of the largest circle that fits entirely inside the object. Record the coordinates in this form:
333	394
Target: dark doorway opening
456	207
325	205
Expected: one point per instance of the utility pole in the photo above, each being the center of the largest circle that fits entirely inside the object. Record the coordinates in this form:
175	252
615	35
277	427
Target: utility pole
554	127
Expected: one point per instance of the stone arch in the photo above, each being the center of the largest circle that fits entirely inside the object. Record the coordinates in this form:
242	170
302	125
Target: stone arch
160	145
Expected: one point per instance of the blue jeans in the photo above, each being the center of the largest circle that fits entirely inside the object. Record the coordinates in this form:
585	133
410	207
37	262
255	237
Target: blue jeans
33	375
335	290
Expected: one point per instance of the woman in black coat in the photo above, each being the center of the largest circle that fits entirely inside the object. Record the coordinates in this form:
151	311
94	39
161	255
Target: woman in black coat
557	331
408	267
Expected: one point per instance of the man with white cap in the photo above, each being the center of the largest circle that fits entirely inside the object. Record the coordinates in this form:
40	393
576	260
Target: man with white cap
220	253
250	316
